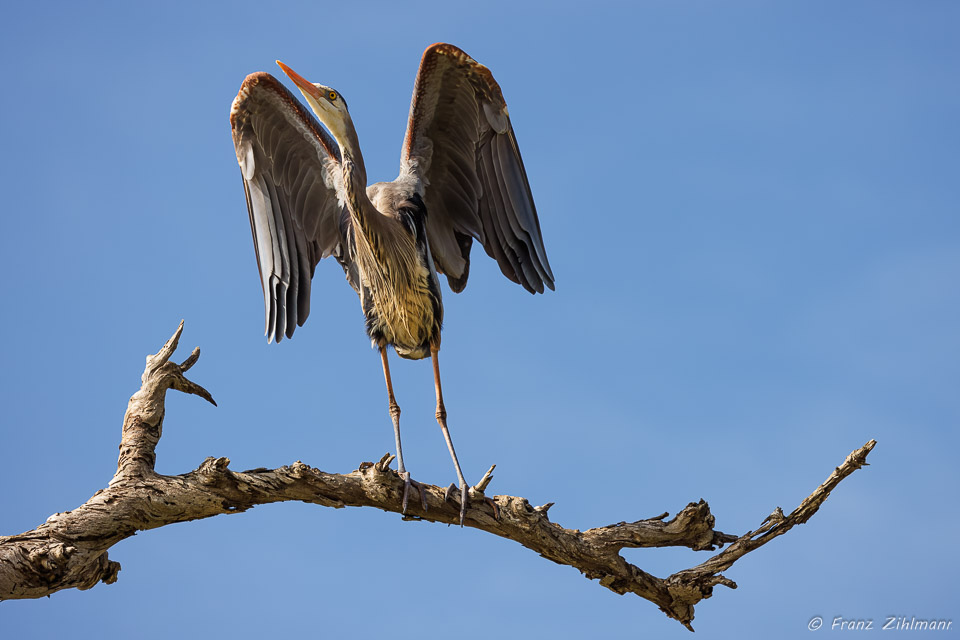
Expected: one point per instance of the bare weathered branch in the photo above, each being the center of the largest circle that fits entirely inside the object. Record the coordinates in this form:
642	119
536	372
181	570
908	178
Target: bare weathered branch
70	549
692	585
143	421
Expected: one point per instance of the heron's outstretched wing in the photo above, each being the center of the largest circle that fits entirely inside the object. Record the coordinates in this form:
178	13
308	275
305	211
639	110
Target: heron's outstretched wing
461	147
286	159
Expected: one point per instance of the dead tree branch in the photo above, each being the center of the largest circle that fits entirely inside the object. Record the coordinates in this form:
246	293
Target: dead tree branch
70	549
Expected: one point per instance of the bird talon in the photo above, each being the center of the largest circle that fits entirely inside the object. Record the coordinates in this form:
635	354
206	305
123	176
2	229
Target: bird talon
476	492
494	506
410	482
464	498
449	492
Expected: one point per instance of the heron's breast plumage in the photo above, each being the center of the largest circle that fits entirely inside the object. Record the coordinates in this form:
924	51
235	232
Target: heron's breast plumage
399	290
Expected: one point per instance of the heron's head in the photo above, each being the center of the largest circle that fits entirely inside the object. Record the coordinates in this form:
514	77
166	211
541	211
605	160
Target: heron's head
327	103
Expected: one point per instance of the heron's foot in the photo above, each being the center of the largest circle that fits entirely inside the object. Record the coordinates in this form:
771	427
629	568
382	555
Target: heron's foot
464	498
466	493
409	482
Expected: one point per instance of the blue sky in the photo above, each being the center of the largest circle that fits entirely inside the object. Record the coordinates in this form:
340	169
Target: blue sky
751	210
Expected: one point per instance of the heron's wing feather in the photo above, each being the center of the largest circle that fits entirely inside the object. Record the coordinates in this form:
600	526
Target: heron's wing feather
461	148
287	161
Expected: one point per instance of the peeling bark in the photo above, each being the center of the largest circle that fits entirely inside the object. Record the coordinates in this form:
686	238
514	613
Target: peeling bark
70	549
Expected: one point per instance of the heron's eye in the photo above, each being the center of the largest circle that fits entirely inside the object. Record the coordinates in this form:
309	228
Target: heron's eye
332	95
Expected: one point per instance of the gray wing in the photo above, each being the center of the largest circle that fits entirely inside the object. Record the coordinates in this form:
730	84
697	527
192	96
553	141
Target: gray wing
461	148
285	158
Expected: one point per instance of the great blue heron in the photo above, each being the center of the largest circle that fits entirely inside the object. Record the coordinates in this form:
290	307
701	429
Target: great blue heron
461	178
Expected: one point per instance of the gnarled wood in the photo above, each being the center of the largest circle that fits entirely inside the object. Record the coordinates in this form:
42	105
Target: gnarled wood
70	549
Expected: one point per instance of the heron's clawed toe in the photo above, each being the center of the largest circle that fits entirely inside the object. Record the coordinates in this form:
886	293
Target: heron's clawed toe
464	498
467	492
494	506
409	482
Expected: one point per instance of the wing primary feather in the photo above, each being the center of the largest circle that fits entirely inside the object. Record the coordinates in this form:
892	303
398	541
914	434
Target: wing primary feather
517	237
511	245
263	239
494	245
494	200
282	259
517	208
293	262
516	176
303	300
253	231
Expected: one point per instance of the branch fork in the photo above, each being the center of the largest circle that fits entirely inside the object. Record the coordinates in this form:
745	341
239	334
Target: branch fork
143	421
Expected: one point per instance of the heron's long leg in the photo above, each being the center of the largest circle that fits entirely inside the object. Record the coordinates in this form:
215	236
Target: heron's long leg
442	419
395	415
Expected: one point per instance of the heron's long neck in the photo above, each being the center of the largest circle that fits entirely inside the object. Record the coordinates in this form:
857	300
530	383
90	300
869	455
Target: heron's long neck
354	177
355	186
381	243
367	221
353	167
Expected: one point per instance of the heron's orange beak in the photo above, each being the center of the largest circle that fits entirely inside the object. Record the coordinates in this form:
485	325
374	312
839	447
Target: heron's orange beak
301	82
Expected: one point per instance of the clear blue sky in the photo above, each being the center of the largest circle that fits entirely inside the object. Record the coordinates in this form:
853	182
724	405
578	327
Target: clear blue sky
751	209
